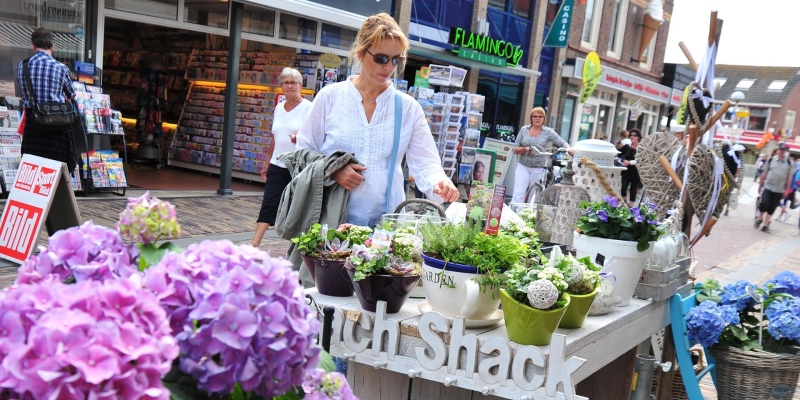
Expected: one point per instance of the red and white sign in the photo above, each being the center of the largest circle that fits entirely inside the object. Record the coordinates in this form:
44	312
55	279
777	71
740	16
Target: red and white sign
29	205
625	82
677	97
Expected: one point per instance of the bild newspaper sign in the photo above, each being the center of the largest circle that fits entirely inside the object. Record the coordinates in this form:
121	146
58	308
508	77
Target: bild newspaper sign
41	195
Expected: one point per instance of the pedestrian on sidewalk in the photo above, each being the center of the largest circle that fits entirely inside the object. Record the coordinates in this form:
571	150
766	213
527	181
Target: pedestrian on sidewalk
788	200
630	177
289	115
762	159
775	184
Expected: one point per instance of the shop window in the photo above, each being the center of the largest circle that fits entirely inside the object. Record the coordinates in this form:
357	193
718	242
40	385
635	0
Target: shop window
566	121
298	29
443	14
203	12
758	119
258	21
155	8
591	23
509	23
360	7
502	108
619	17
337	37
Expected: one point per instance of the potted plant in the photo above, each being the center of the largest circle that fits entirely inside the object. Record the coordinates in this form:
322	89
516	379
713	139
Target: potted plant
324	253
534	301
753	333
622	236
386	273
463	268
583	279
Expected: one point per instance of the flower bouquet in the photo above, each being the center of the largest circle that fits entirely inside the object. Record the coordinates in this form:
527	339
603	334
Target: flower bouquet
618	238
534	301
753	333
324	252
82	321
386	268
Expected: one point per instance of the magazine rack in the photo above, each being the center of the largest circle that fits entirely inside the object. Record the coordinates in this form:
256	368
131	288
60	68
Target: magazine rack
88	184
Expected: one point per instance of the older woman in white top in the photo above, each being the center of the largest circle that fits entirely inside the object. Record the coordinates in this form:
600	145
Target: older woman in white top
358	116
289	115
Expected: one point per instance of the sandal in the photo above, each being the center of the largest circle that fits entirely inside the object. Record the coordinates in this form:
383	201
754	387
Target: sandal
766	229
758	223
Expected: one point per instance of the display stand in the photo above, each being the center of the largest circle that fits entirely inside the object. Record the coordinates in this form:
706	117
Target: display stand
607	343
10	154
197	143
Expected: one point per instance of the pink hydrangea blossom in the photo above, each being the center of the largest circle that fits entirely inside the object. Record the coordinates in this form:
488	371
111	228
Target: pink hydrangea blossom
148	220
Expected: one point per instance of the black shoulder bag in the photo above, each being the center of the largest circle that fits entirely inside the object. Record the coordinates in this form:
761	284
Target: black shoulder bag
51	116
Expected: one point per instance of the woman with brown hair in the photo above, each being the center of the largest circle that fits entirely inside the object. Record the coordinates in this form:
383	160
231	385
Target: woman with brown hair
359	116
531	166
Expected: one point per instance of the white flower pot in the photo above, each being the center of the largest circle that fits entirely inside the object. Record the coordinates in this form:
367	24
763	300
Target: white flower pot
455	291
621	258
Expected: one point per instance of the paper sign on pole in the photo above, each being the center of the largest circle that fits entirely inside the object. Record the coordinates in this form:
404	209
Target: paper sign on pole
635	110
42	186
591	75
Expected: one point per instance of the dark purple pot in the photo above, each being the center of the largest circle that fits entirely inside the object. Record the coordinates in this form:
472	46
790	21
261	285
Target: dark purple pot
394	290
330	277
310	263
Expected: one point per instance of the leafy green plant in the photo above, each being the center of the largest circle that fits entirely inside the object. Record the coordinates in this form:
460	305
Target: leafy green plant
310	243
520	279
527	235
609	219
468	245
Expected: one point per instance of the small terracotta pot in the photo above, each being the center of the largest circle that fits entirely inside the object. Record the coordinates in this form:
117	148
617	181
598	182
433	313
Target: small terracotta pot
394	290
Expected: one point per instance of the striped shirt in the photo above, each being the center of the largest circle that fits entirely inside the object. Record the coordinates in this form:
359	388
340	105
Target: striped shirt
49	77
541	142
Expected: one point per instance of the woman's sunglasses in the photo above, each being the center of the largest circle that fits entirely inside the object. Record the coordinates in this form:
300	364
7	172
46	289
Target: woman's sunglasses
383	59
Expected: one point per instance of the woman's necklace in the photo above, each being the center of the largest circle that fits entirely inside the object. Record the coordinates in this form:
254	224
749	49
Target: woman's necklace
365	98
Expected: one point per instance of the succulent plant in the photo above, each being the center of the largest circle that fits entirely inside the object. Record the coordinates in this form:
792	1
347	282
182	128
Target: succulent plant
399	267
336	249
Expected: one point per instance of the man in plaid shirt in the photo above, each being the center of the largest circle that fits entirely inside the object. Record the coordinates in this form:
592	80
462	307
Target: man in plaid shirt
52	82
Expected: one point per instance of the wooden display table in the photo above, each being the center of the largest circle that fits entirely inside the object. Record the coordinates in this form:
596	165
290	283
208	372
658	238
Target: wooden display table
415	362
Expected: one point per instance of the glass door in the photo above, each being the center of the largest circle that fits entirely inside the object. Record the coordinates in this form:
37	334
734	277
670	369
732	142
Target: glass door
588	122
604	123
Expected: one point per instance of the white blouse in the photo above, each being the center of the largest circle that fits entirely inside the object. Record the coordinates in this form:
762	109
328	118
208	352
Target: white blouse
284	125
337	121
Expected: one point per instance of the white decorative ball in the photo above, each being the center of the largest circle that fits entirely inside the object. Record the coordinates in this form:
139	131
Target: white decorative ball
575	274
542	294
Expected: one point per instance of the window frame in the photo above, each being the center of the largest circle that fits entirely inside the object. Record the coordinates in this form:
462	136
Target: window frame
594	33
615	50
776	89
766	122
793	113
745	80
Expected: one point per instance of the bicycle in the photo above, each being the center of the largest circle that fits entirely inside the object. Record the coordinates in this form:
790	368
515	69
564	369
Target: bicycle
551	176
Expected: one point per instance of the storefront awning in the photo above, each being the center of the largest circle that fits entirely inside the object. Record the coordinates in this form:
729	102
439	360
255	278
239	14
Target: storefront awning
753	140
14	35
438	53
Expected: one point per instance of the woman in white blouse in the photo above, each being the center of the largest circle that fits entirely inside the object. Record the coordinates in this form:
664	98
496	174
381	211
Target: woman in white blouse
358	116
289	115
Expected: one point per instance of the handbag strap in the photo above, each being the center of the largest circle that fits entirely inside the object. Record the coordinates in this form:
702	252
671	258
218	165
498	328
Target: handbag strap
28	84
398	120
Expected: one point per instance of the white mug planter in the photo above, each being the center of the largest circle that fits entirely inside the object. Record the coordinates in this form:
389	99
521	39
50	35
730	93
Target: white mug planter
452	290
621	258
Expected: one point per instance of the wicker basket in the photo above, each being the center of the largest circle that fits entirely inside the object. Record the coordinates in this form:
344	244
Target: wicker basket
755	374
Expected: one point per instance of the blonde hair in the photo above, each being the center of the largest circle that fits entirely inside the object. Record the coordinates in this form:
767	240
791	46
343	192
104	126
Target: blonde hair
374	30
623	134
538	110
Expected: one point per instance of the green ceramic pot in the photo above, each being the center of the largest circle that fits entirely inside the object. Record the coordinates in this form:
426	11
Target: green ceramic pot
579	305
527	325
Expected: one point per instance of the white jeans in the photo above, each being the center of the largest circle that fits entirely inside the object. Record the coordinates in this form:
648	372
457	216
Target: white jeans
522	179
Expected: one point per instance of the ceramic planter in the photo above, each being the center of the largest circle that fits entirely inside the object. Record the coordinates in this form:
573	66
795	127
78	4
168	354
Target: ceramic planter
394	290
620	257
309	263
527	325
452	290
579	305
330	277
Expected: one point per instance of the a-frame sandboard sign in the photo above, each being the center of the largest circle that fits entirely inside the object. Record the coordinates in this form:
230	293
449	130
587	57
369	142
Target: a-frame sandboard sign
41	194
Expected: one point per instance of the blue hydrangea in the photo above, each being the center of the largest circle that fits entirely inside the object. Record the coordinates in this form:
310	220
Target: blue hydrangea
706	322
736	294
784	282
784	318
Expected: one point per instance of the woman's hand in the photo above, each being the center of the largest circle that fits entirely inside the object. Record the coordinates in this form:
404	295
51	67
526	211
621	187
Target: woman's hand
264	172
447	190
626	163
348	176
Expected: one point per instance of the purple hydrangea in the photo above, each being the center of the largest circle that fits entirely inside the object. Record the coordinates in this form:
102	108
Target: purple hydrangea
320	385
612	201
148	220
87	252
603	215
652	206
239	316
784	318
784	282
706	322
736	294
91	340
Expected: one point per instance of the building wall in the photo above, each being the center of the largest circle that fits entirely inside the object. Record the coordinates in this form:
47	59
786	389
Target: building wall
792	103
